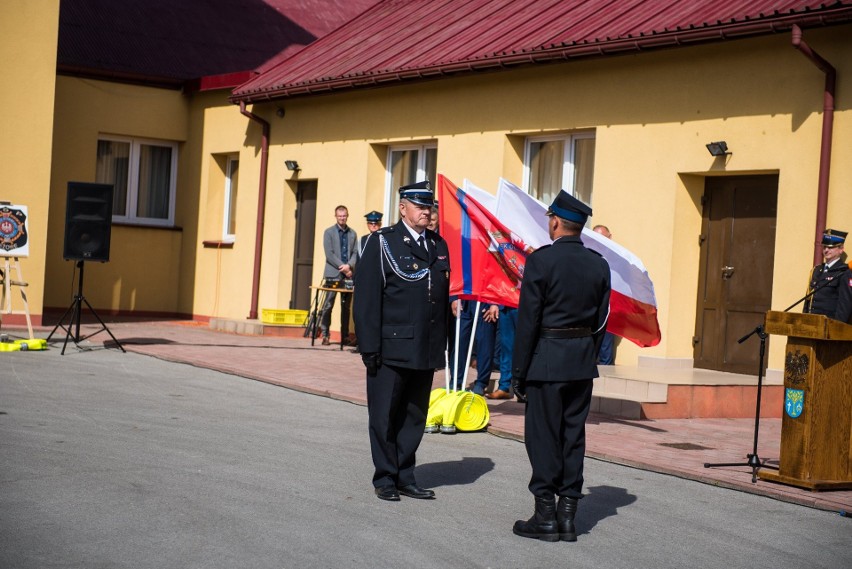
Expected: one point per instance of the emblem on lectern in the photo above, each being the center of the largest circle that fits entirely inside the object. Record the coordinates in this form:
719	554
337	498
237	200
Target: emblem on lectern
794	402
796	367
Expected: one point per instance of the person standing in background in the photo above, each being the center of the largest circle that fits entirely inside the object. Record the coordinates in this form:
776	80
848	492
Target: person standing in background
338	242
606	356
374	222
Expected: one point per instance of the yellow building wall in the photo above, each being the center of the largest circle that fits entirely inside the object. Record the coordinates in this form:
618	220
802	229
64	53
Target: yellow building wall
28	39
652	115
221	283
143	272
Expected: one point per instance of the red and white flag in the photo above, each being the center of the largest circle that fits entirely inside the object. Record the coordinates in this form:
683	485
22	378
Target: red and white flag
633	304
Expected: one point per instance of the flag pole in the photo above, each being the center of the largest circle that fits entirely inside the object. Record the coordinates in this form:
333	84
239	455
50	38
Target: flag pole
455	372
470	346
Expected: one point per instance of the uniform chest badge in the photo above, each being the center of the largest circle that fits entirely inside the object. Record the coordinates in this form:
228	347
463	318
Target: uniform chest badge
415	266
794	402
444	258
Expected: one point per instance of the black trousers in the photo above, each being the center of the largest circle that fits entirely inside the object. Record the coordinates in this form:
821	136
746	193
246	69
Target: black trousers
555	436
397	402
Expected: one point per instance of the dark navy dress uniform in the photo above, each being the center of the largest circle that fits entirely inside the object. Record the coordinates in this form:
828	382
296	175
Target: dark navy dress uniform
831	286
561	323
562	315
402	314
828	282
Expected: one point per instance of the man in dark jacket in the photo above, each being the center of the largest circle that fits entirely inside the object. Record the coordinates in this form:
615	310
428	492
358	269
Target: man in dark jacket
401	315
831	282
562	318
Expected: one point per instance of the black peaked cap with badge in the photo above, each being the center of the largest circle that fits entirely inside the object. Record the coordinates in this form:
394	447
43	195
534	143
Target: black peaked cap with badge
374	217
833	238
568	207
419	193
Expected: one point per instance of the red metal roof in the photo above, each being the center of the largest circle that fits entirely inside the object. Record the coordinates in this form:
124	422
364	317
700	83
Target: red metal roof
172	41
401	40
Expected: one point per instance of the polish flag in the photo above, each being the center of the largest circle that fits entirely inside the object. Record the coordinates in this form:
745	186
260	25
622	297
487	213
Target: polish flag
633	304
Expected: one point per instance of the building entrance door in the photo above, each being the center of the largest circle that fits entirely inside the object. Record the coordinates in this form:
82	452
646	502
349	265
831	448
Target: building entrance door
735	276
303	255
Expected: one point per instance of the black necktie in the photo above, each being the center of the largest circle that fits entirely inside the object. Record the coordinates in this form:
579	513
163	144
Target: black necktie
422	242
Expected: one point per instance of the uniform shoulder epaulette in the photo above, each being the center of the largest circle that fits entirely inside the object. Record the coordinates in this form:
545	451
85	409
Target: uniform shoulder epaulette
386	230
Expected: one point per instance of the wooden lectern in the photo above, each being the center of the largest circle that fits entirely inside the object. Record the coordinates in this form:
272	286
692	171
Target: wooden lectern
816	426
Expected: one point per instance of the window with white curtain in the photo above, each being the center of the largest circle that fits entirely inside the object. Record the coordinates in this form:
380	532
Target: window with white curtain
407	165
555	163
143	174
229	225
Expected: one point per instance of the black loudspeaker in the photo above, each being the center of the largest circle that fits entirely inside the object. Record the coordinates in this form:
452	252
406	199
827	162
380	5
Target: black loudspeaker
88	222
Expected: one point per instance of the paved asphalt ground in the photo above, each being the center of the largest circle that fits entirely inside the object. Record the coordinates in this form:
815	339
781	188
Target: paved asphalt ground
111	460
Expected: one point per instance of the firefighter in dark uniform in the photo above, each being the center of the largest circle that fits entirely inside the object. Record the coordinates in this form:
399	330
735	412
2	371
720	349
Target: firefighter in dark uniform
401	315
562	318
374	222
830	286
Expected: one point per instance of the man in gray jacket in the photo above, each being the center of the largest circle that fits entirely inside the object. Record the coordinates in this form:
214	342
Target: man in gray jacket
341	255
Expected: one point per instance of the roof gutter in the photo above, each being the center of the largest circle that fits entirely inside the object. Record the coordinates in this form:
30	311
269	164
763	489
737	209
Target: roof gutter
261	207
827	128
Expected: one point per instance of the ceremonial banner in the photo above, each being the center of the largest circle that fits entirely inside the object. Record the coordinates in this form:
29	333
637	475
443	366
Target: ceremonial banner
486	259
14	237
633	304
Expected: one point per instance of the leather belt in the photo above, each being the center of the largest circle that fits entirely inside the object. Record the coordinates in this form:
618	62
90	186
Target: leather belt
561	333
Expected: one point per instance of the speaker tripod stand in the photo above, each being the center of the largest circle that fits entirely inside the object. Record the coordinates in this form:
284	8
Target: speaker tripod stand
76	312
753	460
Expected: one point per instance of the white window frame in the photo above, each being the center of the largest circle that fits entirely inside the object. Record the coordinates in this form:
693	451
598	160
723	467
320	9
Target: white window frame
133	181
391	193
567	158
227	213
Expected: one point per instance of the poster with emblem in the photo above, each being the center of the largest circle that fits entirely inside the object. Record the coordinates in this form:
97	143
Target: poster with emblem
14	240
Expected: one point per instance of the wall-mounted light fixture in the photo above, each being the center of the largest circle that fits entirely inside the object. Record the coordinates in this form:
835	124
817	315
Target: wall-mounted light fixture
292	165
718	148
279	112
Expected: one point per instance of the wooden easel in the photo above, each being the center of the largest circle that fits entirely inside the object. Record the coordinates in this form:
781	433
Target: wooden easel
7	283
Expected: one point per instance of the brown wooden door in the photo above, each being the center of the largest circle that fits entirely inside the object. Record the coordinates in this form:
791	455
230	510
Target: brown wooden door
303	256
736	264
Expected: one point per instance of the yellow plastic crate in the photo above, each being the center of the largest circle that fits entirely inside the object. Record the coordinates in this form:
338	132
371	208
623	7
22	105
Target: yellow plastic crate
284	317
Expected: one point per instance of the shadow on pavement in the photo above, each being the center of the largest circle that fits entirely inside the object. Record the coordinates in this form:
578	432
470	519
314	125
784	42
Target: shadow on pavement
599	503
453	473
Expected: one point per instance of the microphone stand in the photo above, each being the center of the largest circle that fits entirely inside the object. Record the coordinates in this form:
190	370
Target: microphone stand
754	461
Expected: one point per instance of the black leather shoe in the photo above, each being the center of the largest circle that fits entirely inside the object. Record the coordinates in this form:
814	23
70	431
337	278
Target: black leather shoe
388	493
415	491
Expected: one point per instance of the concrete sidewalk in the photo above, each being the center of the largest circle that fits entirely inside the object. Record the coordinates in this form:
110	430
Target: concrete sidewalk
679	447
